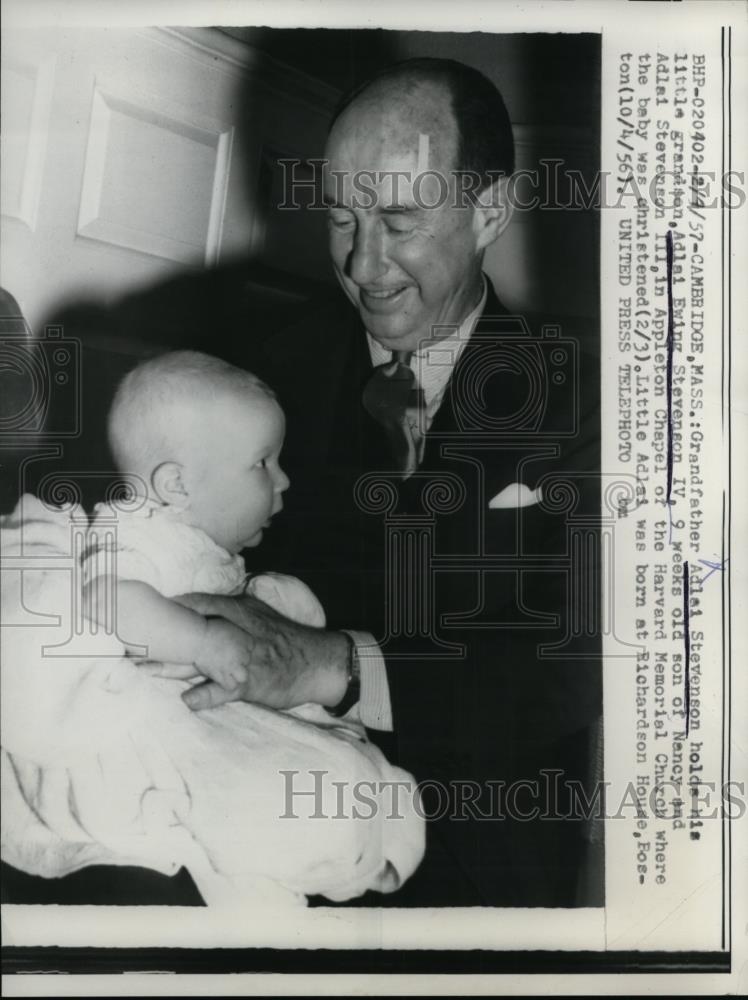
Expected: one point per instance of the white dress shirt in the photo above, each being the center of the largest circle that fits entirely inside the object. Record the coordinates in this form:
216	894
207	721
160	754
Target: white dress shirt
433	365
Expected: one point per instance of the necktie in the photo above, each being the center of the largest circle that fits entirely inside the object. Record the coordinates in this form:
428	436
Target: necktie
394	399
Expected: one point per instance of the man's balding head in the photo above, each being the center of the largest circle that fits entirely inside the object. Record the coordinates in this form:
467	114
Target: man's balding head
482	129
390	119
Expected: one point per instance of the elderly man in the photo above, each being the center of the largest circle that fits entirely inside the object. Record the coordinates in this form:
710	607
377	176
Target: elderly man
426	443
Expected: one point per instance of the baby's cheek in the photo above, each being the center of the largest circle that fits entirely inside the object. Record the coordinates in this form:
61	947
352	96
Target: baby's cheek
266	489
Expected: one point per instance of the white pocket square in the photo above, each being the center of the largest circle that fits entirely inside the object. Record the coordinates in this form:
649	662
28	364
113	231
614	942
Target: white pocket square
515	495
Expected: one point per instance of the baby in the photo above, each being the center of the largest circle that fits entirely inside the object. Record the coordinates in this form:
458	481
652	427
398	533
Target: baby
117	769
200	441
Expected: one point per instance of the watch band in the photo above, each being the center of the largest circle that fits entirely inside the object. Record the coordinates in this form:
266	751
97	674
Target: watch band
353	691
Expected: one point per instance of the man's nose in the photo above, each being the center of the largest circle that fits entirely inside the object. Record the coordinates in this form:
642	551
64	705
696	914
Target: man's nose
367	260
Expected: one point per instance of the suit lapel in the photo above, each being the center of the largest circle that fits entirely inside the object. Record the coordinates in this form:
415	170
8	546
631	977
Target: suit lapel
447	419
473	401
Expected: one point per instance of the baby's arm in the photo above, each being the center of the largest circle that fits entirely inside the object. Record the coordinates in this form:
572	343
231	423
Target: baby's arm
170	632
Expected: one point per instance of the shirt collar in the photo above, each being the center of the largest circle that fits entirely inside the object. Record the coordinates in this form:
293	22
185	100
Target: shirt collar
435	362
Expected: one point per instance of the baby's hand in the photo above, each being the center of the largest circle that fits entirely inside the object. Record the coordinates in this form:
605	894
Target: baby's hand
220	657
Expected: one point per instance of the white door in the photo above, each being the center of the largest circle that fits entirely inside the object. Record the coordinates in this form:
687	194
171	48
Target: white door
129	154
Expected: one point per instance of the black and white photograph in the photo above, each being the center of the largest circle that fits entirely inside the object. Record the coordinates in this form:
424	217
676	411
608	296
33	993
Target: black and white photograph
368	445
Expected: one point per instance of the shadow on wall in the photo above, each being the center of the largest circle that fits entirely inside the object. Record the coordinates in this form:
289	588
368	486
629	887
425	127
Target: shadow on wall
546	262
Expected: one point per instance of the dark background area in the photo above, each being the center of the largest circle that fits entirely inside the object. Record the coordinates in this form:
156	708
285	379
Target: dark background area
556	76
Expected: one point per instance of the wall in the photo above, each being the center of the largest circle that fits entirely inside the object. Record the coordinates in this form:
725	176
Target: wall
131	155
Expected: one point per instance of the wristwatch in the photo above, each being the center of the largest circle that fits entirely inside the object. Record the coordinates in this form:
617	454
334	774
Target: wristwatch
353	691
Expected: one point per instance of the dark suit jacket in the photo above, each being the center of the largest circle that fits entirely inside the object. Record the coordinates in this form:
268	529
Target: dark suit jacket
461	597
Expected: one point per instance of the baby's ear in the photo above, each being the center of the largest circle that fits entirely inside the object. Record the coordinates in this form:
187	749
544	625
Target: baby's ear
168	484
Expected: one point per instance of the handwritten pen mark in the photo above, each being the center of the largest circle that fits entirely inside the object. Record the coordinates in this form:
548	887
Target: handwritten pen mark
687	646
713	567
670	346
670	349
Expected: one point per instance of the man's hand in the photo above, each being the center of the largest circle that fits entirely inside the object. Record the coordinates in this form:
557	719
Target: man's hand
287	664
219	657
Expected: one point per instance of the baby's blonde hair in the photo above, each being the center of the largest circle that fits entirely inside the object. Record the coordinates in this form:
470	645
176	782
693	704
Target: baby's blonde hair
144	425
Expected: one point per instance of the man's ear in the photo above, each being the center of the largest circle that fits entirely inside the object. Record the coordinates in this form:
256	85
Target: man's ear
168	484
493	212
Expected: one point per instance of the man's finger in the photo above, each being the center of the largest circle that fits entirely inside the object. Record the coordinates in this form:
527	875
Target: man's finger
171	671
208	695
248	612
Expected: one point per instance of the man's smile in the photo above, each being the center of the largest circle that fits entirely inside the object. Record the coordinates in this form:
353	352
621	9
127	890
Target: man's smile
382	299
